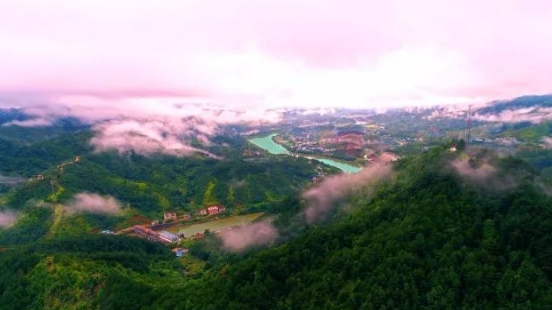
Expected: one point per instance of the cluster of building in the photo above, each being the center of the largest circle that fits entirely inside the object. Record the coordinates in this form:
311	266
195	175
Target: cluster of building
62	166
172	216
350	142
155	231
150	234
207	211
211	210
313	147
37	177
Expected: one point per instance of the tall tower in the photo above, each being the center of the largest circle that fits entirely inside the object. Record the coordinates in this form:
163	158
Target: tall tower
468	130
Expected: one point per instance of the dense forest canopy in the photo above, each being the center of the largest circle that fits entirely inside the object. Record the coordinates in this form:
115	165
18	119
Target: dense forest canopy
48	175
442	229
544	101
445	232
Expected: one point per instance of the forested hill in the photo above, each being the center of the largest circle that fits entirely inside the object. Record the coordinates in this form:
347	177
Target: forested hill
524	102
432	239
49	172
27	158
446	232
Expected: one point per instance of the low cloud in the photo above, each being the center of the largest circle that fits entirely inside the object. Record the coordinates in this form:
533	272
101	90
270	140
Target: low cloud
153	137
457	111
531	114
176	126
35	122
321	199
547	141
489	174
7	219
334	188
239	238
94	203
11	180
171	128
93	109
482	172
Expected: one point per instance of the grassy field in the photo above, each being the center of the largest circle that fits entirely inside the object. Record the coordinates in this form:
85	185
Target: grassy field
216	225
58	216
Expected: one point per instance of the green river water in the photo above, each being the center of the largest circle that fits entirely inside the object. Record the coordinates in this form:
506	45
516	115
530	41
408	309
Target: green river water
268	144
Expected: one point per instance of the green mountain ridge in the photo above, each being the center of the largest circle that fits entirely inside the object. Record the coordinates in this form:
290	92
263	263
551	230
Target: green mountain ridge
523	102
61	167
433	237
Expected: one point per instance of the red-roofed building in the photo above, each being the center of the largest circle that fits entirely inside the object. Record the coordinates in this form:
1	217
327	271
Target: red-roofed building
202	212
170	216
213	210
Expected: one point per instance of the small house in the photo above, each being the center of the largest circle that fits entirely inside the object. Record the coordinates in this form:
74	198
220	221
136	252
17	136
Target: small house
197	236
167	236
169	216
202	212
179	252
213	210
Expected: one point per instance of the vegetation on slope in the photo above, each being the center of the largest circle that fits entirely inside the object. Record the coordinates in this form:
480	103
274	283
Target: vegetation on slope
433	238
81	273
430	240
524	102
145	186
25	159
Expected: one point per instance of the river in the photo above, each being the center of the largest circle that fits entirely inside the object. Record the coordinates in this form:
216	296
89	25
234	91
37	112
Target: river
268	144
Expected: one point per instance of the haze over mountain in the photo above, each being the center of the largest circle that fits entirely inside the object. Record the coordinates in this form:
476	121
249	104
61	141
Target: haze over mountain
275	154
153	77
430	236
244	53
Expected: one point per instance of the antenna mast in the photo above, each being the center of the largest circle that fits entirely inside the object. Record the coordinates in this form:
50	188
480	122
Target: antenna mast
468	130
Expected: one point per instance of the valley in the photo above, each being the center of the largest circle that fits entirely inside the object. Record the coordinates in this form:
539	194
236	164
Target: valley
326	205
275	155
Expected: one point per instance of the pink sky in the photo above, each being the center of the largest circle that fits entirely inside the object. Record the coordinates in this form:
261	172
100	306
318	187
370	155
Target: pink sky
274	53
